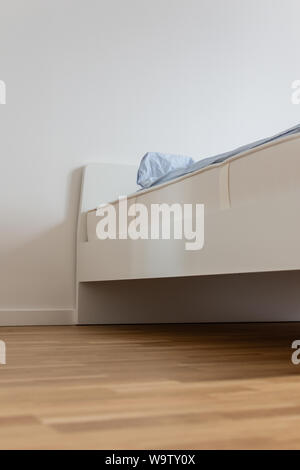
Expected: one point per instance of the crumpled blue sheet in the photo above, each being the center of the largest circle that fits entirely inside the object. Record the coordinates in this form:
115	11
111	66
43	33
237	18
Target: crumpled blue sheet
155	166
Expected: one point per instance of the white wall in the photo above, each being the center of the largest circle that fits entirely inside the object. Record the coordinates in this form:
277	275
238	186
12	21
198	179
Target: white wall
108	80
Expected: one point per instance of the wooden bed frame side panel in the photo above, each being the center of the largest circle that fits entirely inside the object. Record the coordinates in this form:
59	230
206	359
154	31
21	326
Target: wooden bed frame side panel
118	281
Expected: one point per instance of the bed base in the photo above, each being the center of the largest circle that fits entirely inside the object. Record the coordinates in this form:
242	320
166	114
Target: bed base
256	297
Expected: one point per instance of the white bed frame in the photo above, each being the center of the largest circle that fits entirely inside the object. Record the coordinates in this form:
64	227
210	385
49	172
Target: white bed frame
157	281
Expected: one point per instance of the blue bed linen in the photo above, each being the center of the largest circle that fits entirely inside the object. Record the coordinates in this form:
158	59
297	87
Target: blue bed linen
155	165
158	168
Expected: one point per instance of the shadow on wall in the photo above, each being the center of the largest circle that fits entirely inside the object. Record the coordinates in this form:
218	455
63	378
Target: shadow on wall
41	272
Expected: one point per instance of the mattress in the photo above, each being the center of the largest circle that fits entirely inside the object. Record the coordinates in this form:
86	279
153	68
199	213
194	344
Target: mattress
255	177
156	168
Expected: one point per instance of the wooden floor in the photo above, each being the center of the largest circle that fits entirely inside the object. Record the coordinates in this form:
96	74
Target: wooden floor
150	387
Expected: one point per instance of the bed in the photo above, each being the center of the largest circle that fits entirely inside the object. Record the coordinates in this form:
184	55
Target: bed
248	269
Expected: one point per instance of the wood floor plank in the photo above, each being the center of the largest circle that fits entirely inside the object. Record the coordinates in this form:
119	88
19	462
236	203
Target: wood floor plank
151	386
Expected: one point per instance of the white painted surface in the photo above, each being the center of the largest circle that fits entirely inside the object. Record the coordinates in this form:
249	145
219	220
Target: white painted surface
108	80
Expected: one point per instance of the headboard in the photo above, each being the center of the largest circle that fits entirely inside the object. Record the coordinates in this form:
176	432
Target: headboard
102	183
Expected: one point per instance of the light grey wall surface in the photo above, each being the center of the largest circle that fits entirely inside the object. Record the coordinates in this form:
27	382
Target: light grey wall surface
108	80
